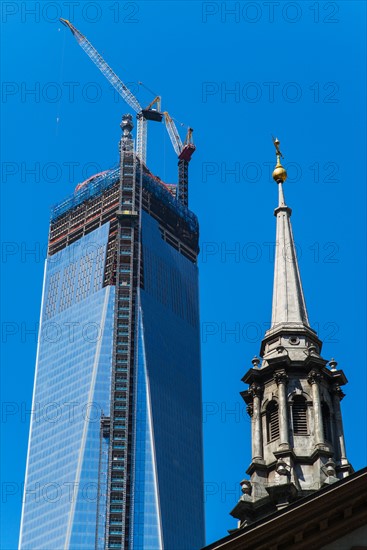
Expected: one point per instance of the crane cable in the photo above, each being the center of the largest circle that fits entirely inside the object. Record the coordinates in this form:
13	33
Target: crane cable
58	104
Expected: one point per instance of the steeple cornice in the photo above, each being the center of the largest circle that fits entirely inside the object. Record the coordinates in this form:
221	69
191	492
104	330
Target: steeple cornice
283	208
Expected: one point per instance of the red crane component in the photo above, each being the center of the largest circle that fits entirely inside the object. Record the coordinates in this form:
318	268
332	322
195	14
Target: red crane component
187	152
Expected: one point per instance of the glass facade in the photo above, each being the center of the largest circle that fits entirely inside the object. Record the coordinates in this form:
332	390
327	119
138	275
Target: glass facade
66	490
146	531
171	338
72	389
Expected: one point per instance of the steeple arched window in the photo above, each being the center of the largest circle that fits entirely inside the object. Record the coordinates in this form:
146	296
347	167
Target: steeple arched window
299	415
272	420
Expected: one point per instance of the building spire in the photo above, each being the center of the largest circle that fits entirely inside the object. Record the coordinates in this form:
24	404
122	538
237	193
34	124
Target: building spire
289	307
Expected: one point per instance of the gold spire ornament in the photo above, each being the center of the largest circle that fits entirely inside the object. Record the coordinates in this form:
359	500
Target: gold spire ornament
279	173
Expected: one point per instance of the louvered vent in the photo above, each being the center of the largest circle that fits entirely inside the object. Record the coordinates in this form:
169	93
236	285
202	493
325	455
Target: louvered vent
299	411
272	421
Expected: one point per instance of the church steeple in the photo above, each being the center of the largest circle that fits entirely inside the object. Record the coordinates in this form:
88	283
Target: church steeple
293	396
289	318
288	300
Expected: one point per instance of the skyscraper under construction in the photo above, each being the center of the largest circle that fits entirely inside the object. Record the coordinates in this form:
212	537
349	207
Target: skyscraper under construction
115	448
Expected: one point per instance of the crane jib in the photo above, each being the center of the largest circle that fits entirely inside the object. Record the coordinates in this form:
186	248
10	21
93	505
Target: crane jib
184	151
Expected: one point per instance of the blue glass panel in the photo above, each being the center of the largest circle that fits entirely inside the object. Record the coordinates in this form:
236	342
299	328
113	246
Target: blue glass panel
72	388
170	316
146	516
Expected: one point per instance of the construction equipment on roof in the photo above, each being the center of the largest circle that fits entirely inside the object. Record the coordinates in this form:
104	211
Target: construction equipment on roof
142	114
152	112
184	151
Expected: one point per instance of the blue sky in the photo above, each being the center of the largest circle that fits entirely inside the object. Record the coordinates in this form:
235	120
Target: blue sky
292	69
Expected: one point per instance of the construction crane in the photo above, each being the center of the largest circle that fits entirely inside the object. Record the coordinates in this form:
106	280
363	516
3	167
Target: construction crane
142	114
184	150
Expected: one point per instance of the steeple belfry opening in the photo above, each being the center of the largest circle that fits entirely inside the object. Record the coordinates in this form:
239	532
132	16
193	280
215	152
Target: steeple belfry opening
294	393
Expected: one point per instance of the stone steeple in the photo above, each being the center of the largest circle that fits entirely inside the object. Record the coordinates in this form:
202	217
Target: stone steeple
293	396
288	300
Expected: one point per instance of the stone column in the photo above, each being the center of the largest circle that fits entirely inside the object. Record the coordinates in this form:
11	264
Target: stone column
337	397
281	379
256	427
314	379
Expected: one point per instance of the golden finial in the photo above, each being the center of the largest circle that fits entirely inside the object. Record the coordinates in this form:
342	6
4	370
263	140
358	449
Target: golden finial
279	174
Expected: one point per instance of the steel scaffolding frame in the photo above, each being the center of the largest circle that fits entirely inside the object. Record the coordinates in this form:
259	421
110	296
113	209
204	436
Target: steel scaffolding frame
120	460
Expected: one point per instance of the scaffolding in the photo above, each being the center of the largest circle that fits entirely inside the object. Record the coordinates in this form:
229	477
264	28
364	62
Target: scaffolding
120	459
107	179
102	482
